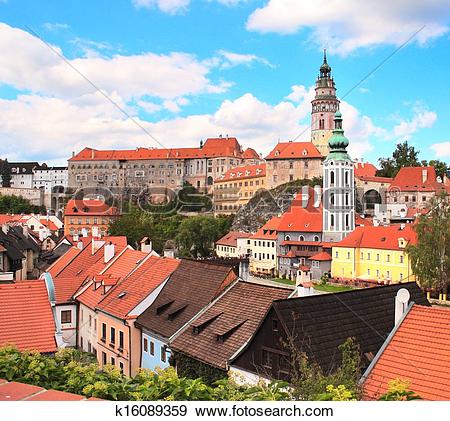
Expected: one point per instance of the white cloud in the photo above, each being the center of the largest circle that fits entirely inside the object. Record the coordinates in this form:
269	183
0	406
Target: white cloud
422	119
170	7
441	150
230	59
347	25
28	64
55	26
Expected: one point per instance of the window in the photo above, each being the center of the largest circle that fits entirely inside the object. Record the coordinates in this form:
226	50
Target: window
81	342
401	277
120	339
378	257
331	177
121	366
388	258
163	353
66	316
112	338
145	345
368	256
348	255
267	358
104	332
401	258
274	325
113	361
337	255
104	358
152	348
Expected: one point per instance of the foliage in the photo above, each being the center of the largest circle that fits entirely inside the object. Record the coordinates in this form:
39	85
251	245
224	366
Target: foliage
311	383
398	390
196	235
403	156
192	368
5	173
18	205
430	257
337	393
440	167
76	372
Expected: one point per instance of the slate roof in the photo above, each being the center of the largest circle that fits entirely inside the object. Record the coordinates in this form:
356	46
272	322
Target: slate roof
236	315
26	318
418	351
320	323
190	288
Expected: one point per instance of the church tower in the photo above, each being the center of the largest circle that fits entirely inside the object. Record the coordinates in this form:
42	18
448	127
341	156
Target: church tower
338	187
324	105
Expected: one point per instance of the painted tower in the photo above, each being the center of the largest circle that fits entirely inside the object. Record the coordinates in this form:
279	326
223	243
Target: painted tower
324	105
338	184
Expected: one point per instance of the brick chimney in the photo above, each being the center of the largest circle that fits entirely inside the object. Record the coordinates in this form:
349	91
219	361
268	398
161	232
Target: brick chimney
108	251
424	175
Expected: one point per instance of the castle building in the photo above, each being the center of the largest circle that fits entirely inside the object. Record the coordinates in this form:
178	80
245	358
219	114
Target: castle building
324	105
338	182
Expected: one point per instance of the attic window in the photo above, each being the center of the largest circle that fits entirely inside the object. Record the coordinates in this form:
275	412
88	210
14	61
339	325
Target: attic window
177	311
223	334
199	326
277	153
122	294
164	307
383	238
305	152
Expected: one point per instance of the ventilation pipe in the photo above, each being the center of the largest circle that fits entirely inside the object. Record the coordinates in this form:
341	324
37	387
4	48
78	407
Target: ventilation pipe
401	304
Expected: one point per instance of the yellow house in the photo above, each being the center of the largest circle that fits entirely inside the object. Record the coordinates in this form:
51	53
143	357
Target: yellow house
263	249
374	254
236	187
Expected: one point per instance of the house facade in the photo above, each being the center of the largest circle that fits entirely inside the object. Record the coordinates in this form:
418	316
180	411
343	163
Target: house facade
233	244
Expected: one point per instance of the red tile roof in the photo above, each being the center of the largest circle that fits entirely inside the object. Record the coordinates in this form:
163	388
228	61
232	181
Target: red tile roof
26	317
365	169
322	256
129	292
383	180
49	224
417	179
242	307
365	221
243	172
63	261
7	218
419	352
14	391
380	237
250	153
89	207
231	238
269	230
301	219
213	147
290	150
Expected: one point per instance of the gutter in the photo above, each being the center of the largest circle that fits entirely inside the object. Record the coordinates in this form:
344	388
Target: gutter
385	344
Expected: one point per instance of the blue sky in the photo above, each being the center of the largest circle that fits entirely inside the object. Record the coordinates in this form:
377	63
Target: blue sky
186	70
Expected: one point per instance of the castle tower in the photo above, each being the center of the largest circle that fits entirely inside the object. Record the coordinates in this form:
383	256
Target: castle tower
324	105
338	184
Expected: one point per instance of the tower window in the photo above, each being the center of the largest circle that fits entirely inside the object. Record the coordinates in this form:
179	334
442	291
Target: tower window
332	178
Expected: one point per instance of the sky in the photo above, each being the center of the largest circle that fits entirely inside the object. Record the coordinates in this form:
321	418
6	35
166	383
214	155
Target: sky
170	73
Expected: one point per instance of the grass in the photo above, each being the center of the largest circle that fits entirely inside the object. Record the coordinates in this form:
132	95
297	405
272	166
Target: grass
332	288
283	281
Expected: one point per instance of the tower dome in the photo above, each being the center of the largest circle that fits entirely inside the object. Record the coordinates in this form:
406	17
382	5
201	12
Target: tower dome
338	142
325	69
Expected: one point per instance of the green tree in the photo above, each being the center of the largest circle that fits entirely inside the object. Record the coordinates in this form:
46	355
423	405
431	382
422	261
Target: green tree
440	167
5	173
16	204
430	257
196	235
403	156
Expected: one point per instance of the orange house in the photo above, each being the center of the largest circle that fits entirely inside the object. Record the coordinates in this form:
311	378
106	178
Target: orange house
89	217
118	340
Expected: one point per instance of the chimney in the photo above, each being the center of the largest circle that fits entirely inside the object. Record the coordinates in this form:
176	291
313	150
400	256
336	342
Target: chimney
424	175
96	244
25	230
402	227
92	154
84	232
243	269
401	304
303	283
108	252
80	245
75	237
95	232
146	245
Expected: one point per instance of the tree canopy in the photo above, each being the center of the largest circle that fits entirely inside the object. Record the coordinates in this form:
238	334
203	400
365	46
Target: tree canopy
430	257
18	205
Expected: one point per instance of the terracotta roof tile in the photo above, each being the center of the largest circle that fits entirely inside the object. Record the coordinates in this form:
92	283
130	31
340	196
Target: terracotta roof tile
322	256
231	238
63	261
129	292
419	352
269	230
290	150
365	169
190	288
379	237
89	207
242	307
417	179
243	172
26	318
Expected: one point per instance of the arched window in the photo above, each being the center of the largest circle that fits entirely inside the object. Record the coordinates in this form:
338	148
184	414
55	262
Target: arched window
316	238
347	221
301	238
332	178
287	238
347	199
332	221
347	182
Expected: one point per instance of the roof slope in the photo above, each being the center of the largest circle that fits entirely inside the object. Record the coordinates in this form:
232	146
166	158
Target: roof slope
230	239
129	292
292	150
243	172
190	288
26	318
89	207
320	323
419	351
63	261
365	169
236	315
379	237
417	179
